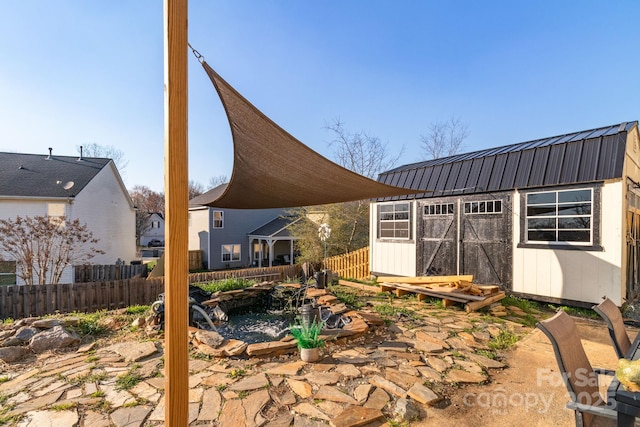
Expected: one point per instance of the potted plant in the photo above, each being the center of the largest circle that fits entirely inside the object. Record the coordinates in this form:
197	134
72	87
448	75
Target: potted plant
307	335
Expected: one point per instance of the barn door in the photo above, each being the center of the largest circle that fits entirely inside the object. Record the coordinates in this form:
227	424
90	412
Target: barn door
633	244
466	237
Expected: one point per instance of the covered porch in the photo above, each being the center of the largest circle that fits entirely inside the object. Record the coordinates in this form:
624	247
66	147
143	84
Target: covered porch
272	243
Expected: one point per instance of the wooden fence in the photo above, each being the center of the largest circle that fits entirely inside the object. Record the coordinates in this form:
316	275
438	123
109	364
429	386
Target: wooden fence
19	301
353	265
101	273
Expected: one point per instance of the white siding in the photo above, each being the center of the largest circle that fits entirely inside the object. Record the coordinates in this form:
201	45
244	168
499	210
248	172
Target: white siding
153	233
104	206
573	274
392	257
199	232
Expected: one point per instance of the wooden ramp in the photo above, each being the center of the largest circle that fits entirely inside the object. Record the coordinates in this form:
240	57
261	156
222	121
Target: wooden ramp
452	289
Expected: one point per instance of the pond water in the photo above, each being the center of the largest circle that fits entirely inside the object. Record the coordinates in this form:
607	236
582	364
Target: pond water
252	327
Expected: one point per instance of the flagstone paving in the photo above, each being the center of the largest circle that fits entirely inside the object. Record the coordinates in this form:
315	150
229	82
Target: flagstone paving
359	381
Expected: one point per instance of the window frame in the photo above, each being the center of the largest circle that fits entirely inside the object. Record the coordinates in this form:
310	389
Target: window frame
13	273
395	221
219	220
594	243
229	249
468	207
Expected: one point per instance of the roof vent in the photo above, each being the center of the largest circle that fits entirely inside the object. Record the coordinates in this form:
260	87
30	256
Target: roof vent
80	158
21	167
49	156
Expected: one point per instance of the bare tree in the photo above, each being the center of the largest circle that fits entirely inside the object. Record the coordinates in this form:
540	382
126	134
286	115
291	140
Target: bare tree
195	189
44	246
445	138
147	202
349	222
92	149
359	152
217	180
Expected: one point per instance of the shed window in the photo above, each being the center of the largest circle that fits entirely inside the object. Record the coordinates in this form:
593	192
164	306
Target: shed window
560	217
439	209
230	253
155	224
483	207
218	219
394	220
7	273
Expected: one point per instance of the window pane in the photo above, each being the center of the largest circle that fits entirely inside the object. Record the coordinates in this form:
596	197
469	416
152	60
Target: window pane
579	222
402	215
483	207
539	198
490	207
474	207
544	210
544	236
386	216
401	207
498	206
386	208
437	209
574	196
573	236
450	209
575	209
535	224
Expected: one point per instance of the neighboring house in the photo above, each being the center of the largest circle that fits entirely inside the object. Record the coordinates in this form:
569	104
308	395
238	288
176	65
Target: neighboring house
154	229
88	189
234	238
556	219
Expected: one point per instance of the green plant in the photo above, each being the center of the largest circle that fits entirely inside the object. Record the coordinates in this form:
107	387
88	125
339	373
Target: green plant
137	309
4	379
504	340
307	335
237	373
64	406
128	380
230	284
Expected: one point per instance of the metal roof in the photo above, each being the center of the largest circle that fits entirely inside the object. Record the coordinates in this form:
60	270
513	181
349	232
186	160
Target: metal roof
40	175
579	157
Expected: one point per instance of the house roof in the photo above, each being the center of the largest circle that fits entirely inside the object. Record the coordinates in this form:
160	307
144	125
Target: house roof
277	227
40	175
586	156
208	197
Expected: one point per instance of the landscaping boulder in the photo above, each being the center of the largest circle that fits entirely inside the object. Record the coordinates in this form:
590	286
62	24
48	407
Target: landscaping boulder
54	338
11	354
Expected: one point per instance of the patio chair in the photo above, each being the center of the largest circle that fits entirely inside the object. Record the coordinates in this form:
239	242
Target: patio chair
611	314
578	375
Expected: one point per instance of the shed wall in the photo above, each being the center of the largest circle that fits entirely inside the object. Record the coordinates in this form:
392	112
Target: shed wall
397	258
578	275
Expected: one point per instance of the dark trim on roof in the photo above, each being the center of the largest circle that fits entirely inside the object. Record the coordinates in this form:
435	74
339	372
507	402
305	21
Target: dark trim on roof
578	157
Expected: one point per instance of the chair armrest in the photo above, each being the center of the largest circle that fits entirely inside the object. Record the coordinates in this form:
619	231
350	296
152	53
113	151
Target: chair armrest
596	410
601	371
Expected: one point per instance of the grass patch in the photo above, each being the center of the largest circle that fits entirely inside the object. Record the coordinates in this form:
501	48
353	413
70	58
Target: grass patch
576	311
388	310
237	373
346	296
230	284
64	406
524	304
91	323
98	393
4	379
504	340
137	309
489	354
128	380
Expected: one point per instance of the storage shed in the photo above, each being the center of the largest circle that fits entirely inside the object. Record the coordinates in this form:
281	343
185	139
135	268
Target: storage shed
555	219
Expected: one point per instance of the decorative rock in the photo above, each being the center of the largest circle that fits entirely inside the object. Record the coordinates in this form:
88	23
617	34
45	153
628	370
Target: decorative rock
460	376
392	346
233	414
482	336
361	392
405	410
348	370
138	322
438	364
96	419
11	354
400	378
284	398
387	385
130	417
253	405
355	416
423	394
429	347
54	338
283	420
333	394
309	410
211	404
25	333
45	323
133	351
288	369
250	383
433	338
210	338
472	367
50	419
378	399
430	373
300	388
270	347
371	319
323	378
485	361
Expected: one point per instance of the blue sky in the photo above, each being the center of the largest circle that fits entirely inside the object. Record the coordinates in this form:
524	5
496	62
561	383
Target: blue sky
77	72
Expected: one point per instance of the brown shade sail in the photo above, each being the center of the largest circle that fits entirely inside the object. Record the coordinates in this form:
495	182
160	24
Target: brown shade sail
272	169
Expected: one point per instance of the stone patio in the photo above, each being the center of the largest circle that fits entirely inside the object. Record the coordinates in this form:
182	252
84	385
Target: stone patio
399	370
